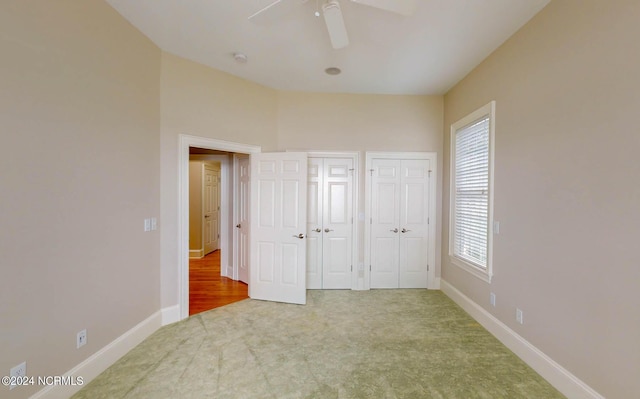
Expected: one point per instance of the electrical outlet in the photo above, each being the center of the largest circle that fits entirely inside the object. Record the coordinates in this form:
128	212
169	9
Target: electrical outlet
519	316
492	299
18	371
154	224
496	227
81	338
147	225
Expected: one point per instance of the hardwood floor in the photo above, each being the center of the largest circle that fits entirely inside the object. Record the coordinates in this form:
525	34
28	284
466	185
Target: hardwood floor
207	289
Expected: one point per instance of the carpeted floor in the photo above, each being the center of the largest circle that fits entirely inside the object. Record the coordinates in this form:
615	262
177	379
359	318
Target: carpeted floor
342	344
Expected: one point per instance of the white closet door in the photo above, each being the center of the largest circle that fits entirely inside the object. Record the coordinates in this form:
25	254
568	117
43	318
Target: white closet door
414	227
278	222
314	223
385	219
337	223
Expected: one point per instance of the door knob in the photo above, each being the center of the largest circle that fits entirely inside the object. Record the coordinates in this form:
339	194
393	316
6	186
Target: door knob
394	230
327	230
317	230
405	230
238	225
300	236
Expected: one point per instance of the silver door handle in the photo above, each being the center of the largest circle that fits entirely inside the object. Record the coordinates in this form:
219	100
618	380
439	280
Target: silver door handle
238	225
394	230
327	230
405	230
300	236
317	230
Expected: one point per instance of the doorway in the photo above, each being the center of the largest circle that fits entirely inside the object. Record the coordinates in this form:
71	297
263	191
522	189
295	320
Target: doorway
209	287
221	149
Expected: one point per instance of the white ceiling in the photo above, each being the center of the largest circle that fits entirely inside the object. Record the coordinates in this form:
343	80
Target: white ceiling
426	53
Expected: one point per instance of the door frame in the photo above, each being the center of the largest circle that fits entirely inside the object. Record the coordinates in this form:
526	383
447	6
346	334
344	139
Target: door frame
186	141
355	211
432	157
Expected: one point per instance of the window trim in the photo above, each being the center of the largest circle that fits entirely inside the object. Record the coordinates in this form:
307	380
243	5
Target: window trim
483	274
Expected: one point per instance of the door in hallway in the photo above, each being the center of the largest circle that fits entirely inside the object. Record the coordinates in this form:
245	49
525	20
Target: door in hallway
211	207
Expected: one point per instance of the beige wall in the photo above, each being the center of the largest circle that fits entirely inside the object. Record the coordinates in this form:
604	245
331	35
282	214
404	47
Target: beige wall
566	187
362	122
201	101
79	124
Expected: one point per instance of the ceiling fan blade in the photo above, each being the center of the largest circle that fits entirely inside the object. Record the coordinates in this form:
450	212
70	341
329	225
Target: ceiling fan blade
335	24
402	7
275	10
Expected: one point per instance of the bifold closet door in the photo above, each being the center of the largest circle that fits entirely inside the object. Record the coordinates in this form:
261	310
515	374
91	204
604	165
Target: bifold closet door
414	224
329	223
399	223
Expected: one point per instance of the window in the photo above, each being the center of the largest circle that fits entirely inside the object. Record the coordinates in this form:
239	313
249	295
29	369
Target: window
472	192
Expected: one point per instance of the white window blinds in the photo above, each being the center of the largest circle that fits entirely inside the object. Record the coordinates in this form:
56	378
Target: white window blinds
471	191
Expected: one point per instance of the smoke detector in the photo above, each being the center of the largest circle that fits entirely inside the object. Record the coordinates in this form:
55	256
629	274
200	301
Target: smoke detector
240	58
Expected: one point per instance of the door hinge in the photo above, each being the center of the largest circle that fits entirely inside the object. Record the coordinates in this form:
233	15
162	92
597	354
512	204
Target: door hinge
427	267
370	220
369	267
427	220
351	267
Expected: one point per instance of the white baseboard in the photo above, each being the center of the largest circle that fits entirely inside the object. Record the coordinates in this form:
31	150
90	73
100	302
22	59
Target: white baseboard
170	314
102	359
196	253
565	382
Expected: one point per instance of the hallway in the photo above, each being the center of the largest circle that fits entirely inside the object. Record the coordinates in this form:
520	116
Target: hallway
207	289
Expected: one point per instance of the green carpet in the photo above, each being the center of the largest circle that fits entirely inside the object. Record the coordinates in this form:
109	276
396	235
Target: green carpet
342	344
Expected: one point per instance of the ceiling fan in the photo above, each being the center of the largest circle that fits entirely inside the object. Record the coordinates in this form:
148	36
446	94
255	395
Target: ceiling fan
333	14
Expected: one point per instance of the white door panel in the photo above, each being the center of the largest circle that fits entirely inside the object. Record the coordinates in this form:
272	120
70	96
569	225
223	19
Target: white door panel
414	228
399	223
242	226
330	223
337	226
385	215
278	214
314	224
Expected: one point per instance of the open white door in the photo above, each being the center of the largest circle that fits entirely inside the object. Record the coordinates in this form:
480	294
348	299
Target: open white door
278	223
242	216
